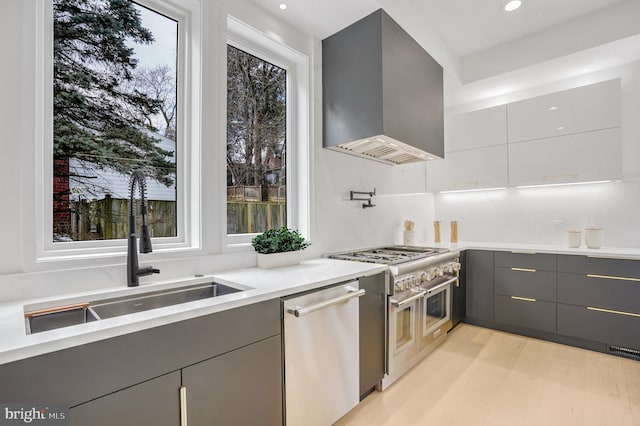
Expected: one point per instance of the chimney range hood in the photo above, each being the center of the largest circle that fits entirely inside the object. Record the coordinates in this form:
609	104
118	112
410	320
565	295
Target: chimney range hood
382	94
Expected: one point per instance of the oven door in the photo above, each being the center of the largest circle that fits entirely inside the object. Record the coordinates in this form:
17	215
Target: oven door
435	315
404	327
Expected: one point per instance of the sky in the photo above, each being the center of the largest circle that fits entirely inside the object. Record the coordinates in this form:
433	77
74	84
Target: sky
165	32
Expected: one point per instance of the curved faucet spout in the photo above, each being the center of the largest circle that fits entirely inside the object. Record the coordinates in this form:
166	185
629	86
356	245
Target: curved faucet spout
134	272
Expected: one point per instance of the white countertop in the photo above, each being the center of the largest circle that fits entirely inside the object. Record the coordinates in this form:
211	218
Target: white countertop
605	252
15	344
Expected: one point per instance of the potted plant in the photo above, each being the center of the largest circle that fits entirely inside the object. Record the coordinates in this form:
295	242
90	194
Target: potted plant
279	247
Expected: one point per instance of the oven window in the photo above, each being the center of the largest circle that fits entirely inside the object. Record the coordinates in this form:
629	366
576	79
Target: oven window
404	327
435	309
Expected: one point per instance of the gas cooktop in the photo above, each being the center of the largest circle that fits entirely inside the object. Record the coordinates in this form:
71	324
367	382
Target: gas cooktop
390	255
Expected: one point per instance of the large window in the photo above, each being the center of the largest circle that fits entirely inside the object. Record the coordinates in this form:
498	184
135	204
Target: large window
115	110
256	143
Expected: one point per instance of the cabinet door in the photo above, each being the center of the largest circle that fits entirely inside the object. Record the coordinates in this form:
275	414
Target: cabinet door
153	403
241	387
470	169
477	129
479	277
582	157
578	110
526	313
372	331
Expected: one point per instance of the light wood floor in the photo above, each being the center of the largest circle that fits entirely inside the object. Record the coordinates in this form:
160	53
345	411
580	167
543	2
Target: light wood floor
482	377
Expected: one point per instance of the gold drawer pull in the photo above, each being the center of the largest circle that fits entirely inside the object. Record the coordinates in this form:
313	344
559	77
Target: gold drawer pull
609	311
612	277
523	269
526	299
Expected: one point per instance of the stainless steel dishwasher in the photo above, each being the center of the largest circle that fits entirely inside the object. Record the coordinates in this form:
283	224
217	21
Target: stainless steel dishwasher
321	354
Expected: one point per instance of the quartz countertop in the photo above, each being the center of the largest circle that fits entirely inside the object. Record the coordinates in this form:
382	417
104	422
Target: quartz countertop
605	252
263	285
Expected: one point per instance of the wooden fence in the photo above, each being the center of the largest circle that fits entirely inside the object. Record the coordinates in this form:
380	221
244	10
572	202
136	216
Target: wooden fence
108	219
245	217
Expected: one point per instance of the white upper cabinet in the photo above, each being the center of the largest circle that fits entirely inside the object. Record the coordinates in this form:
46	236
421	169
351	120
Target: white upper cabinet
477	129
581	157
582	109
469	169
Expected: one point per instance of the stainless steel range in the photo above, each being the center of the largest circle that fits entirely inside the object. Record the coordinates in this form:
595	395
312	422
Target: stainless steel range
418	300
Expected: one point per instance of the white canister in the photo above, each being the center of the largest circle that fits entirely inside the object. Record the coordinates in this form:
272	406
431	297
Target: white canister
593	237
408	237
574	238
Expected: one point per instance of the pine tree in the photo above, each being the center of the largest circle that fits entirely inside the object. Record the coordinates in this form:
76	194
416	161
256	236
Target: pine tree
93	118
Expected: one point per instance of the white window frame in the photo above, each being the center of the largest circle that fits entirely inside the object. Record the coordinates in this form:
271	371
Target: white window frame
188	145
296	64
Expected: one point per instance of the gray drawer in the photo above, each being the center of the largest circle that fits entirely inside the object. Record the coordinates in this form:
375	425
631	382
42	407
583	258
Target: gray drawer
539	262
599	266
613	329
538	315
574	289
538	285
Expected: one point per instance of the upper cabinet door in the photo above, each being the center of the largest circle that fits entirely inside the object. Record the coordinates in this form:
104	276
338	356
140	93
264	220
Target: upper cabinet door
477	129
469	169
583	157
582	109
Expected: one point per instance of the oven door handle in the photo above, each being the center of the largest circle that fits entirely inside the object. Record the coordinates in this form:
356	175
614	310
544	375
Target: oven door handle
444	284
399	304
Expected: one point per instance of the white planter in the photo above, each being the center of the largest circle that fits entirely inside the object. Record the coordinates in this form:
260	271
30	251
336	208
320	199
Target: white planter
279	260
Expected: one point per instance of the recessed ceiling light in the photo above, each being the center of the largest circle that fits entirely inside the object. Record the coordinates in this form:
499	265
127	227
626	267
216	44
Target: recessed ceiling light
560	128
283	6
585	70
553	108
512	5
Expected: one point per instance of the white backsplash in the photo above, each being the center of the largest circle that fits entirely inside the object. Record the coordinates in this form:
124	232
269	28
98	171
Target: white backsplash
543	215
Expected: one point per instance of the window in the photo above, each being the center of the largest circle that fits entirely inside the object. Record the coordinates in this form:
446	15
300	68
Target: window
117	88
256	144
114	111
267	139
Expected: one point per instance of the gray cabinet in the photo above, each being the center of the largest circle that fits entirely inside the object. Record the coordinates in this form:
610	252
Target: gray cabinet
599	300
526	313
372	310
479	281
152	403
242	387
131	363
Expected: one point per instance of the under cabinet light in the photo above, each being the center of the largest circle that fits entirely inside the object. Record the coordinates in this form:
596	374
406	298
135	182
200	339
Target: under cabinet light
562	184
457	191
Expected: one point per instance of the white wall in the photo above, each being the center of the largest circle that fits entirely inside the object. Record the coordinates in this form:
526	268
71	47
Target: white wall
337	223
541	215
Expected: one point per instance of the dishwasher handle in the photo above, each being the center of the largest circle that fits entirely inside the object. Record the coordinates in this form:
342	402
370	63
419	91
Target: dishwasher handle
351	293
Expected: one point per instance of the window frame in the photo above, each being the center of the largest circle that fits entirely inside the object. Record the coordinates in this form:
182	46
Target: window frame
296	65
187	14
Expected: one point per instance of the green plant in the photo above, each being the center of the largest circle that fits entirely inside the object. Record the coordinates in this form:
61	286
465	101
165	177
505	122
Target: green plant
278	241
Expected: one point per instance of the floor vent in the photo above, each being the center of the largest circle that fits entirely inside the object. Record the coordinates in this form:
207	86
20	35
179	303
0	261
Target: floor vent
625	352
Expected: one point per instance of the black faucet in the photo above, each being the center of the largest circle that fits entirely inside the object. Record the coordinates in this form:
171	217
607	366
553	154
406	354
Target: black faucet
134	272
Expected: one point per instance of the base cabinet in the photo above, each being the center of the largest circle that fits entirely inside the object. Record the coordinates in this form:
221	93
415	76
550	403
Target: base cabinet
242	387
372	309
572	299
135	379
479	281
152	403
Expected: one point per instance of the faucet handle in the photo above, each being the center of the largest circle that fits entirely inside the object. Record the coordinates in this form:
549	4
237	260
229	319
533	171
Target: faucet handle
147	271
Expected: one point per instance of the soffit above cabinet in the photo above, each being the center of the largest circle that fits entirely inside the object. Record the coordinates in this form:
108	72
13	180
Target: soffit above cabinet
382	94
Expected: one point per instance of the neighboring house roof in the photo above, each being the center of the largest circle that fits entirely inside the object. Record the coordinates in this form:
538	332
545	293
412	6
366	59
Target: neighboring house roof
111	182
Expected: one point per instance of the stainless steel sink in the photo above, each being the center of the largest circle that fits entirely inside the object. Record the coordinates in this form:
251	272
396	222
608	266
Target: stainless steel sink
128	305
64	316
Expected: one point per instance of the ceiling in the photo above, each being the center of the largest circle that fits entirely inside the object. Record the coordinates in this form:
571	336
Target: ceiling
476	41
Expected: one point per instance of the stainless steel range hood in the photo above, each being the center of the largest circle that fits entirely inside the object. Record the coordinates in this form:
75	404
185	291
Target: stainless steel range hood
382	94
